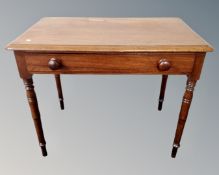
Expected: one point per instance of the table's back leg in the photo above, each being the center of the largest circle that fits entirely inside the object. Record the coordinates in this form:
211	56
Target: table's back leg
162	91
32	100
59	89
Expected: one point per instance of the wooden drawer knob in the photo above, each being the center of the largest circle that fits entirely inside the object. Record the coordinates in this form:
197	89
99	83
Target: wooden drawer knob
54	64
164	65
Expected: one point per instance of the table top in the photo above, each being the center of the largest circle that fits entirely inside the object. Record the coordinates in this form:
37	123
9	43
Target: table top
70	34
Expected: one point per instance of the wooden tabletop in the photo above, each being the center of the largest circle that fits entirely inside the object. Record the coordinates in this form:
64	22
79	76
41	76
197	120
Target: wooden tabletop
110	35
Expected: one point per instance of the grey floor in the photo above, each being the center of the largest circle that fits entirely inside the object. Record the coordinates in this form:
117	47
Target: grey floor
111	125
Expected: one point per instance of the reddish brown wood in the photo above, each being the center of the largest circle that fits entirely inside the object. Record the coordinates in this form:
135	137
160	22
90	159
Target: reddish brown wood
21	64
110	46
197	67
187	99
59	89
162	91
32	100
109	63
110	35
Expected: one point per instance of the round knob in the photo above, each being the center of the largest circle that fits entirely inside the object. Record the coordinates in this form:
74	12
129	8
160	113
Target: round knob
163	65
54	64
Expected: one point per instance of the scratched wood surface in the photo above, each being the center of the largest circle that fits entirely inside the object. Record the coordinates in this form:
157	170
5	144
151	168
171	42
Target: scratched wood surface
110	35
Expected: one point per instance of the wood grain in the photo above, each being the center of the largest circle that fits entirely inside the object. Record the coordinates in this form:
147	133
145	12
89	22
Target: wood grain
21	64
110	35
110	46
110	63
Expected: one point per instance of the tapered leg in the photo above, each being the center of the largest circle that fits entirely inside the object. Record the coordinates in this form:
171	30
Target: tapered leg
187	99
162	91
32	100
59	88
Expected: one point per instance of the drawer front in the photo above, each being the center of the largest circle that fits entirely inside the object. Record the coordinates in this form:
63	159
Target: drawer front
90	63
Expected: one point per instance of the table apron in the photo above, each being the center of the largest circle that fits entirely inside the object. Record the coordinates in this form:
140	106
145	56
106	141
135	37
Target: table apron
92	63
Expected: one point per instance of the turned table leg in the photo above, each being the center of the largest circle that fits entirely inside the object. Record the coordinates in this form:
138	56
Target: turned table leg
187	99
162	91
32	100
59	88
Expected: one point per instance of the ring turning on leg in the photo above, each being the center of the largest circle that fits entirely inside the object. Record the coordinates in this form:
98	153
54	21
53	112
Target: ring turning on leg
186	102
32	100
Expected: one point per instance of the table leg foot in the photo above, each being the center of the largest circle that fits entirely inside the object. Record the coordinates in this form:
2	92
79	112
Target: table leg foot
61	104
174	150
160	105
43	149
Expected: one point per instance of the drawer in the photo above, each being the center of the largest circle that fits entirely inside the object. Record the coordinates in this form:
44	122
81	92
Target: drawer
113	63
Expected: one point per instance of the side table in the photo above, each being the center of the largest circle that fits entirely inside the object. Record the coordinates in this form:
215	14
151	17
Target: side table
67	45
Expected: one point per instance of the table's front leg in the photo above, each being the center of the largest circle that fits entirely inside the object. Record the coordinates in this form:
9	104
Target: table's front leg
31	96
192	78
186	102
32	100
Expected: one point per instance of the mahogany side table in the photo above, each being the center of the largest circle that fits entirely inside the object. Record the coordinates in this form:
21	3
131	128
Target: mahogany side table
67	45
